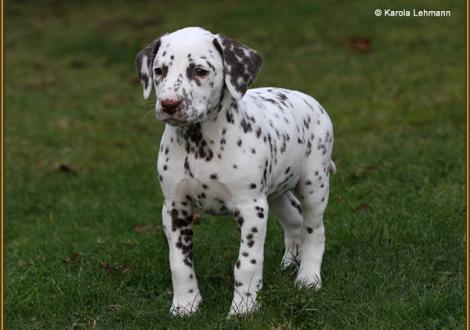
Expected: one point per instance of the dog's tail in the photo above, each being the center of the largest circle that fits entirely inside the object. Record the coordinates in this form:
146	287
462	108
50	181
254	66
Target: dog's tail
332	167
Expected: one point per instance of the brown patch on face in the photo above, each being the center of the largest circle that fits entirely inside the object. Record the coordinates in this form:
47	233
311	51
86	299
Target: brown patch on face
164	70
150	51
241	63
191	73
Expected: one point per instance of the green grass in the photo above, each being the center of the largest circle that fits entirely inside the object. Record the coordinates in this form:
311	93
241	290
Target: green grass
395	225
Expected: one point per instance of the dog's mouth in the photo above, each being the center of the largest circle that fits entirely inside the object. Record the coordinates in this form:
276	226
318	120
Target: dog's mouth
179	118
175	121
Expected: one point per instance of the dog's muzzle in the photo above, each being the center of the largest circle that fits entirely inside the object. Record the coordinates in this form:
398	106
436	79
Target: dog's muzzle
171	106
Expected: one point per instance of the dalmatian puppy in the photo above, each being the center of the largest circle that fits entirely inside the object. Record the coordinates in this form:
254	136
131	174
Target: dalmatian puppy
230	149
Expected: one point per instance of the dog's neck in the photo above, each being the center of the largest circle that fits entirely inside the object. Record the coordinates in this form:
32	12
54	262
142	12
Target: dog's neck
206	139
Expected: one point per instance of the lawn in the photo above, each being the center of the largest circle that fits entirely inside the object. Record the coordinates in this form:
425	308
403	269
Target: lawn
84	245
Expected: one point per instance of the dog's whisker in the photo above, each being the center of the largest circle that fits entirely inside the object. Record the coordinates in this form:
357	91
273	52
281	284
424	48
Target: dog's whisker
148	113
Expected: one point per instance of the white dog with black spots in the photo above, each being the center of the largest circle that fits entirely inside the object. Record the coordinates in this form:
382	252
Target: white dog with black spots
230	149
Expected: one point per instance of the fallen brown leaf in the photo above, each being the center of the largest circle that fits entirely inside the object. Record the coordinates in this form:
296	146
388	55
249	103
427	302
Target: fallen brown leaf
38	66
42	83
63	123
144	228
72	257
358	44
196	218
111	269
64	168
78	64
362	207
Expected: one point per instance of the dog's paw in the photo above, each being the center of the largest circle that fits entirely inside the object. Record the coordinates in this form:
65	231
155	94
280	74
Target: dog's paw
187	306
308	280
242	306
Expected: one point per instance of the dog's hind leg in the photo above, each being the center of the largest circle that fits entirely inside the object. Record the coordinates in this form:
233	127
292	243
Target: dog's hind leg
289	213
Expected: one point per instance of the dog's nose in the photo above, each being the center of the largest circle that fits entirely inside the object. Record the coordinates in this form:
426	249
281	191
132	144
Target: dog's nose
170	106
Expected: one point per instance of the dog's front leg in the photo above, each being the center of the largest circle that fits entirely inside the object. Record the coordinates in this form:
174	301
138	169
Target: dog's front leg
177	224
252	218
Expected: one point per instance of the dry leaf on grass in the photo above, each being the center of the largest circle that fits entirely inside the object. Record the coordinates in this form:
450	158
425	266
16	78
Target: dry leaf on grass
64	168
362	207
196	219
73	256
358	44
114	269
144	228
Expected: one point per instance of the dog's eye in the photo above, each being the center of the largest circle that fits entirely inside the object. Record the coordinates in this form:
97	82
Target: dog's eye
158	71
201	72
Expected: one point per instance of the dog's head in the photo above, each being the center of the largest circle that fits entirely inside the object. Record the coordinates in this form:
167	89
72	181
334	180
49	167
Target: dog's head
191	70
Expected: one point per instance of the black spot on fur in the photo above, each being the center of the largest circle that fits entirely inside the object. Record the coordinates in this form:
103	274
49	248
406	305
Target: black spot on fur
150	51
229	116
191	73
240	61
195	143
177	221
258	132
246	125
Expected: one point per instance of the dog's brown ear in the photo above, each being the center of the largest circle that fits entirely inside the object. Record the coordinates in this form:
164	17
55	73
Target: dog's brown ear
144	63
241	64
